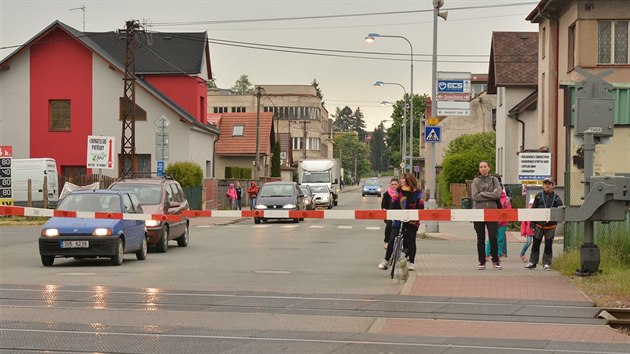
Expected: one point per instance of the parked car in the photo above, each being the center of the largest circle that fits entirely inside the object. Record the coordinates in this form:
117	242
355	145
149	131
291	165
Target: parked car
159	195
279	196
323	196
309	198
371	187
94	238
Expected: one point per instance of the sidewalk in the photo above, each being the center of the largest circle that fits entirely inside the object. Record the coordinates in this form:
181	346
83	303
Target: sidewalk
448	271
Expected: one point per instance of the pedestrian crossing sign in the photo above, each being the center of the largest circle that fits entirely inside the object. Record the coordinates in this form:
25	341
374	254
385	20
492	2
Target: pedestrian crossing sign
432	134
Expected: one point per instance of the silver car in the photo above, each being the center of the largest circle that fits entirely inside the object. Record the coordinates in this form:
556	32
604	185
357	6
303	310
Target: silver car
323	196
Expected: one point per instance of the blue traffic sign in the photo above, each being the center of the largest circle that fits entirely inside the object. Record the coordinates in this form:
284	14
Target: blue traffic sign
160	168
432	134
453	86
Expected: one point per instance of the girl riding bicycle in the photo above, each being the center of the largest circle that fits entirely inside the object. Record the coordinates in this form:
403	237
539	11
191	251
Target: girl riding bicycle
410	198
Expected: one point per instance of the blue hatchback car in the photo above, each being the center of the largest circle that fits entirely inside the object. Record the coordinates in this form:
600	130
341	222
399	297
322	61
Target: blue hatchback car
94	238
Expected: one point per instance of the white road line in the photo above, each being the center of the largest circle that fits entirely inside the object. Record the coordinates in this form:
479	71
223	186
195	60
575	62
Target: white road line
316	227
288	226
372	228
260	226
344	227
204	226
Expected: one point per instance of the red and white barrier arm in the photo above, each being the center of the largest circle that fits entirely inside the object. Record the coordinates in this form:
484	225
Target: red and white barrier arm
421	215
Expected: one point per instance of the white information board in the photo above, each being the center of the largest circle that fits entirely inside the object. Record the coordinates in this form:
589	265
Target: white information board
534	165
100	152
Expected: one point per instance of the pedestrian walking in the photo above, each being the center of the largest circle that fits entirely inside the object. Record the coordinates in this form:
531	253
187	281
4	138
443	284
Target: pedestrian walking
486	192
252	191
239	195
506	203
410	198
527	231
545	199
390	197
231	196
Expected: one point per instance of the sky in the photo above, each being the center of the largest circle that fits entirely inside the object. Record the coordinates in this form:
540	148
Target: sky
302	40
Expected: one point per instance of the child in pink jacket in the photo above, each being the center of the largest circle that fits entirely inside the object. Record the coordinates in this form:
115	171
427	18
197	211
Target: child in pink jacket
527	231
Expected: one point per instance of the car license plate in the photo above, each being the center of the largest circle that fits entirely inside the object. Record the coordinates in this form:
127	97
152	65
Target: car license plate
75	244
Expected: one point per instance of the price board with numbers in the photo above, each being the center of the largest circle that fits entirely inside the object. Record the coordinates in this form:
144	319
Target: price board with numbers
6	188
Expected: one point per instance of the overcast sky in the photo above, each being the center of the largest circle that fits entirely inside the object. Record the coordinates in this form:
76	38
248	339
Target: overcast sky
303	26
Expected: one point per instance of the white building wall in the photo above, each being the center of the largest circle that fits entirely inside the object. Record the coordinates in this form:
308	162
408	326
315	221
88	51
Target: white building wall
508	133
107	90
15	114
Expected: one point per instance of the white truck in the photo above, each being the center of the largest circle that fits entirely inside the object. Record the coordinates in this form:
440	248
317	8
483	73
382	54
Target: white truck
34	169
321	172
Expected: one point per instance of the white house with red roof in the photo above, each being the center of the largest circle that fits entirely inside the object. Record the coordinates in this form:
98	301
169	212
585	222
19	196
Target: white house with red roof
63	85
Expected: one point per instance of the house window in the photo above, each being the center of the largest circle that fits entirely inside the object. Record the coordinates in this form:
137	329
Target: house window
312	144
612	42
297	143
59	115
571	51
141	114
220	109
143	162
238	110
72	173
237	130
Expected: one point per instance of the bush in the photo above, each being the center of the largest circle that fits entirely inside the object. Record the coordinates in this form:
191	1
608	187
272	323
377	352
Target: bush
234	172
188	174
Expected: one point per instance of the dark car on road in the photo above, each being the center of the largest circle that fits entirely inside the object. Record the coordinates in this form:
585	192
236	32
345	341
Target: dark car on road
159	195
279	196
91	237
309	197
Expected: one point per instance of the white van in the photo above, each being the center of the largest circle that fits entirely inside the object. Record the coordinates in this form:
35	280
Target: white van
34	169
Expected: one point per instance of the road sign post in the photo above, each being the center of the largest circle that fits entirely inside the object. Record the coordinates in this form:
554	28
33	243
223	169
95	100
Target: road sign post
6	184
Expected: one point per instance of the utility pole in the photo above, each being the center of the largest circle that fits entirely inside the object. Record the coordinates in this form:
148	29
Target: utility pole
128	141
304	142
257	161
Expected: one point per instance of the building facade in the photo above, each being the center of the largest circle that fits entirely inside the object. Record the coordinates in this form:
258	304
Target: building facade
297	111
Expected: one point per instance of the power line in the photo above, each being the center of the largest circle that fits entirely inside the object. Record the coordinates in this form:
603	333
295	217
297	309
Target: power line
158	24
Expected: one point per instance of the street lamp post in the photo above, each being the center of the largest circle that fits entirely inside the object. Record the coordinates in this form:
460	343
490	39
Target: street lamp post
370	38
433	226
404	123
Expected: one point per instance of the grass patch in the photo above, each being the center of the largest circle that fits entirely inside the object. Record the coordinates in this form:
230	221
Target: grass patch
610	288
22	220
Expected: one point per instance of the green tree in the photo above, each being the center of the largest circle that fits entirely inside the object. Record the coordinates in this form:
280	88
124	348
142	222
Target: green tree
343	119
318	91
462	157
379	158
358	123
188	174
242	86
394	133
211	84
354	153
275	160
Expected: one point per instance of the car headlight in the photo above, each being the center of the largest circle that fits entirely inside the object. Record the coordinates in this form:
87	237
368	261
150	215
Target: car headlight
378	190
152	223
102	231
50	232
288	206
260	206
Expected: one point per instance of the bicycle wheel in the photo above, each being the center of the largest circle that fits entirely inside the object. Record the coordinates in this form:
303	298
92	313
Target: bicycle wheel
398	244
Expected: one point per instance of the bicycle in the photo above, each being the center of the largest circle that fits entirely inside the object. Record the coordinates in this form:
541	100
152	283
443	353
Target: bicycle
396	258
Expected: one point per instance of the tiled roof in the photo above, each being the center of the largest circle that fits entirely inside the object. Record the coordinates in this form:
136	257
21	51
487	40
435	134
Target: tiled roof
245	144
513	60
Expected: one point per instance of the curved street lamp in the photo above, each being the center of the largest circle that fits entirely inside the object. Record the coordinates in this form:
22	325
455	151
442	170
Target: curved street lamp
370	38
404	122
